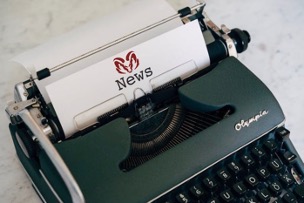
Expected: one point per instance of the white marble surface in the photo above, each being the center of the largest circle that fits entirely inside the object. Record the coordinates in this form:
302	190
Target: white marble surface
275	55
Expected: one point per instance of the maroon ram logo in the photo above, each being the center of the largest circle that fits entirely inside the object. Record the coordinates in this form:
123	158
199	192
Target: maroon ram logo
128	64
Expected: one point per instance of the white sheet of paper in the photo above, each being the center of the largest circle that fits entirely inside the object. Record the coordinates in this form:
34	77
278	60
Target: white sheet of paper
80	98
97	33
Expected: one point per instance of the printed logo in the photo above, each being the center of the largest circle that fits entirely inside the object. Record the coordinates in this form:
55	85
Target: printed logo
127	64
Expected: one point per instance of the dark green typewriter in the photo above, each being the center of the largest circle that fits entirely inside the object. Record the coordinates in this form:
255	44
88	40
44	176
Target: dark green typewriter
202	129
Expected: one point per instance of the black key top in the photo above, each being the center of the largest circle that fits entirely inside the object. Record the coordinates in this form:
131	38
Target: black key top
275	165
264	195
197	192
278	200
286	179
299	191
224	175
235	168
271	146
275	187
227	196
258	152
252	180
289	157
251	200
210	183
239	188
289	198
183	198
282	132
295	174
263	172
168	201
247	160
214	200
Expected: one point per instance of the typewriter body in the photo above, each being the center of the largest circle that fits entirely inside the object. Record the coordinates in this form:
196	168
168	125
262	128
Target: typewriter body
176	115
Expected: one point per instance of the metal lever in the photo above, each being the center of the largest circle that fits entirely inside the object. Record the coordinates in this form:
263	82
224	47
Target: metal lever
54	156
18	112
13	109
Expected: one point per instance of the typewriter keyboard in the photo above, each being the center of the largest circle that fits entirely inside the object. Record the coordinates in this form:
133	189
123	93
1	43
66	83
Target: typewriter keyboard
267	170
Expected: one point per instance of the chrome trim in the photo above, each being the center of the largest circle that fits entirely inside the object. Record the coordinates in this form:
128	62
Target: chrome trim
32	182
38	192
35	187
20	93
231	46
54	156
14	108
229	42
282	123
124	38
50	186
222	32
295	176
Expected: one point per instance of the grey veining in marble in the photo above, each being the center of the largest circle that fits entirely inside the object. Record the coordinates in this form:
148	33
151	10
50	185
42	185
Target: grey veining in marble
275	55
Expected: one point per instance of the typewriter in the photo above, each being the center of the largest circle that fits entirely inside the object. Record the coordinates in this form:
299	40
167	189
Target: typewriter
153	109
